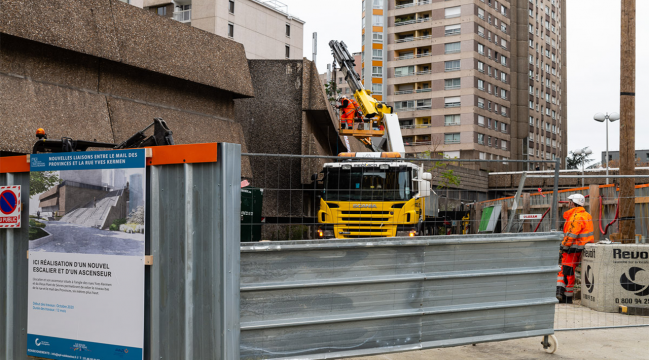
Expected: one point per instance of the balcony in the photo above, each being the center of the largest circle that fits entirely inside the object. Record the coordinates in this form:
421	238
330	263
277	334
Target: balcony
411	56
414	3
184	16
418	91
418	143
416	126
410	22
452	105
414	38
452	123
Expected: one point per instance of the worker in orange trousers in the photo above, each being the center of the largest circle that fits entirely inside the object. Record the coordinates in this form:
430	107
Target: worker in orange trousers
578	231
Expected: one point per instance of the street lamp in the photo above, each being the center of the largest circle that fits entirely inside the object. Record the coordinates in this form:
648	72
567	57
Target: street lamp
585	151
603	118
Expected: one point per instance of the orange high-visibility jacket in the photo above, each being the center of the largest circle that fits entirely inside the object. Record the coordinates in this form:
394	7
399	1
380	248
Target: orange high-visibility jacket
348	110
578	230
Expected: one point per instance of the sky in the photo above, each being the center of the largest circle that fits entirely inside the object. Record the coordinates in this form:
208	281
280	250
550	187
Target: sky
593	51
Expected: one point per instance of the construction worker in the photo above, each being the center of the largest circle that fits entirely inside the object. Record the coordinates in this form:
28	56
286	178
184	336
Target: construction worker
347	112
578	231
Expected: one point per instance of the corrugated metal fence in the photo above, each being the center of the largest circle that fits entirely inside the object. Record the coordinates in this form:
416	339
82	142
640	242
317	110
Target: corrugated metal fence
192	287
334	298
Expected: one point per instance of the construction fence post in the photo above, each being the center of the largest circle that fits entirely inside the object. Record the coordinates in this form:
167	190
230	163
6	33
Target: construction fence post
554	225
593	192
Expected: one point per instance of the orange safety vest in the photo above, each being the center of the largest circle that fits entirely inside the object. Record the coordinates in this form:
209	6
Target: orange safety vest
578	230
347	113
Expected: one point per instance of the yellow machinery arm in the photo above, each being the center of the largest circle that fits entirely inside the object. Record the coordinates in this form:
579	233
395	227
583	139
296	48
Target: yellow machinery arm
371	108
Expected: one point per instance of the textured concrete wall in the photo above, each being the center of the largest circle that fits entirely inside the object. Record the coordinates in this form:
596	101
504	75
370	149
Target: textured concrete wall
103	70
288	115
113	30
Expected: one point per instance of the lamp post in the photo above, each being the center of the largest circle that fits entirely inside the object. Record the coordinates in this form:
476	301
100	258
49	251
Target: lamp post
607	118
585	151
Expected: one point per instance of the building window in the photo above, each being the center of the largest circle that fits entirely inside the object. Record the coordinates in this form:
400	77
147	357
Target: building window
230	30
450	120
480	31
452	138
377	89
503	127
452	65
377	71
377	54
452	12
377	20
480	120
480	66
481	139
450	84
452	101
231	6
288	30
404	71
377	37
452	30
481	13
377	4
480	84
481	105
452	48
287	51
162	10
480	49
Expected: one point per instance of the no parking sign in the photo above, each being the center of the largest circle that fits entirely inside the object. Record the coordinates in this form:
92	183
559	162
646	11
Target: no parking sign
10	206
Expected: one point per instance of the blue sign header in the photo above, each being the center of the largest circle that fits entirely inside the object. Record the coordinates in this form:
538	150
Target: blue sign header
88	160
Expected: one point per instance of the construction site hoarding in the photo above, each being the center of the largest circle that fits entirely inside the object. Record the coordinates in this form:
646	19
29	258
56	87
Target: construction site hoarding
86	264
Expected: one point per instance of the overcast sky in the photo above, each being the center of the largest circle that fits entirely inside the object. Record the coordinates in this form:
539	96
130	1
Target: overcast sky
593	61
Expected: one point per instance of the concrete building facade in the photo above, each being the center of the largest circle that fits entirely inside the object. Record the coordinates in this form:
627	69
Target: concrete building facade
265	28
471	79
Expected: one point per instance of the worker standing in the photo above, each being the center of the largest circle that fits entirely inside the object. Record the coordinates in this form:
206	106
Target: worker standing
578	231
347	112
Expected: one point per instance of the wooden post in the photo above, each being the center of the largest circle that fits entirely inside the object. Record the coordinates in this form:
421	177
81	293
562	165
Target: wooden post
475	223
527	226
504	216
593	209
627	120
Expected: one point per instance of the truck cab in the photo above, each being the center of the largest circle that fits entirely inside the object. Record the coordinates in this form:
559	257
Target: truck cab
373	199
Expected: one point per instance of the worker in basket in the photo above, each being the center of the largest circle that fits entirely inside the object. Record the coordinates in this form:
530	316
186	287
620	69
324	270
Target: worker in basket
578	231
349	109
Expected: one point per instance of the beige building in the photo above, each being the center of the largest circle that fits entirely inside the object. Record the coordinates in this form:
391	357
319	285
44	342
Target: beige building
265	28
341	83
472	79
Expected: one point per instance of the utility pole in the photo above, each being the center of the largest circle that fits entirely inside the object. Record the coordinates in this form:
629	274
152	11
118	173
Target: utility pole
627	122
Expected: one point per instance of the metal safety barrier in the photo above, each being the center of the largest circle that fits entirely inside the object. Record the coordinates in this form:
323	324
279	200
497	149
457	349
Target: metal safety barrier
339	298
192	285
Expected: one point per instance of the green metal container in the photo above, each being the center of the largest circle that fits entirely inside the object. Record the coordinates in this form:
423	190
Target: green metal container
251	201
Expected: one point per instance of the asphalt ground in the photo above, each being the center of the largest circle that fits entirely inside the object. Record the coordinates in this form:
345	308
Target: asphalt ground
620	343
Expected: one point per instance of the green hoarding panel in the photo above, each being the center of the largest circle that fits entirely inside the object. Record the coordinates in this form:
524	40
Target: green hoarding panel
486	215
251	201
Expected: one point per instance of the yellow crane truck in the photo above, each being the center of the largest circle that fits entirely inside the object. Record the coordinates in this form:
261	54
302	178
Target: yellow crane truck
363	197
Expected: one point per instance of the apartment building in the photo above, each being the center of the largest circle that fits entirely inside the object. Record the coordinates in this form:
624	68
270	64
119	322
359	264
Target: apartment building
472	79
265	28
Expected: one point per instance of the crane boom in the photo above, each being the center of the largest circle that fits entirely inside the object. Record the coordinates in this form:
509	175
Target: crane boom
370	107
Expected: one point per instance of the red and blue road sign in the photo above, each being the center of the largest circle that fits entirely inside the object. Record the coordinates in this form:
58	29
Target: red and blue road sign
10	206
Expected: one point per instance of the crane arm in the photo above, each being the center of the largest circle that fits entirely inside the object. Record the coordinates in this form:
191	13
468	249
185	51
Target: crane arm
370	107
